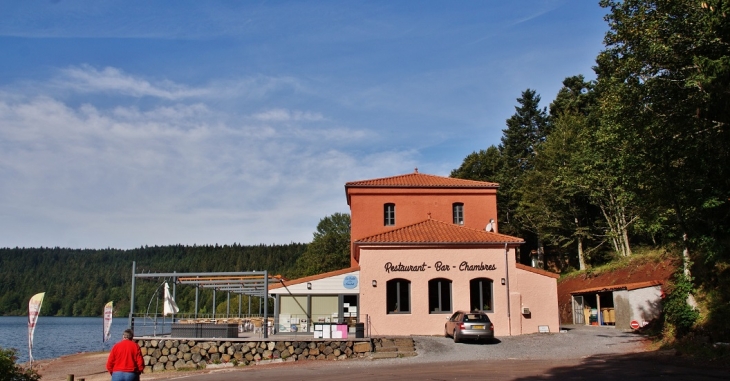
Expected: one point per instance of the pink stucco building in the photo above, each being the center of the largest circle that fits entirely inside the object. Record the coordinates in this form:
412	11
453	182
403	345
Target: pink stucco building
423	247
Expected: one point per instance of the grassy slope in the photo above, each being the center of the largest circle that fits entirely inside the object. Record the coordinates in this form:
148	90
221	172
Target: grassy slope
645	266
704	344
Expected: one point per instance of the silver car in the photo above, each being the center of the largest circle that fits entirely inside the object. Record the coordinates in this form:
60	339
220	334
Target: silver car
469	325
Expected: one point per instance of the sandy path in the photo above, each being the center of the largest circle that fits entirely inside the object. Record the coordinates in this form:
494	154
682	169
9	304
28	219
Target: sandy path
89	366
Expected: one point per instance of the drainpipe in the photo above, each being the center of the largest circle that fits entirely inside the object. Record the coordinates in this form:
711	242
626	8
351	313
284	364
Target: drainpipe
266	304
130	324
506	269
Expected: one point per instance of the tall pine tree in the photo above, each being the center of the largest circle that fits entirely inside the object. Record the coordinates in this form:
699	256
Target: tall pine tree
526	130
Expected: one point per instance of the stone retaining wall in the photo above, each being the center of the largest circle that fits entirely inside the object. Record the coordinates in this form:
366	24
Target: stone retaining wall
173	354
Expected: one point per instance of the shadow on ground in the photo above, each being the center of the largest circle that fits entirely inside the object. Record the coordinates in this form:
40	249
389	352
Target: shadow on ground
637	366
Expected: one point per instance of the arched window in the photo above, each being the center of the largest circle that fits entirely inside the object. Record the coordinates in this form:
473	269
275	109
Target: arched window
398	296
480	292
439	296
458	209
389	214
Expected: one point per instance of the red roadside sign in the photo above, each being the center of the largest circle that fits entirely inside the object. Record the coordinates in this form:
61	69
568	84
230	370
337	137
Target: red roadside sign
634	324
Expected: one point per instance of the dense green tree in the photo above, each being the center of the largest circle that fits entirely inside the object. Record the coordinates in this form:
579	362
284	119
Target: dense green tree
330	247
526	129
554	196
480	166
79	282
638	156
561	161
577	96
666	75
589	165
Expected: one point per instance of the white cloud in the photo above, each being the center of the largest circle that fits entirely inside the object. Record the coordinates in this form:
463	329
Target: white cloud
283	115
86	79
112	80
257	86
84	176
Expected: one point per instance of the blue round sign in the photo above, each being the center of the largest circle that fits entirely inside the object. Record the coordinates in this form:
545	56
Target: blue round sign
350	282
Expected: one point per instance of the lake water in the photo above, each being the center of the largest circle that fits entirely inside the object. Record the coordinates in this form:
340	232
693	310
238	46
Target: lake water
58	336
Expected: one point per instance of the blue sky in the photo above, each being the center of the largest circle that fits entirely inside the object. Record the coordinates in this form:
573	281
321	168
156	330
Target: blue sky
129	123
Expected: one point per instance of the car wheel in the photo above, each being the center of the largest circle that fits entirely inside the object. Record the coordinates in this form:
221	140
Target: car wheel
456	337
446	332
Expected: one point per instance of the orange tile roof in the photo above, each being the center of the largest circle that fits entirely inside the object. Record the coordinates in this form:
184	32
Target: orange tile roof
436	232
420	180
619	287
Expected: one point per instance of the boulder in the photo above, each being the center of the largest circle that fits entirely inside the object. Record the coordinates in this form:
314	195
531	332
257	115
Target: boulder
362	347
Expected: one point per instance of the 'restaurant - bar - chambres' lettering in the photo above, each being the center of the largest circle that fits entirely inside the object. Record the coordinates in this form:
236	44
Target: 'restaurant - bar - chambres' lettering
440	266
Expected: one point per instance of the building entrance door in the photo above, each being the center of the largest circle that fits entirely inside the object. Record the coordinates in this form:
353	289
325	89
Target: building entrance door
578	315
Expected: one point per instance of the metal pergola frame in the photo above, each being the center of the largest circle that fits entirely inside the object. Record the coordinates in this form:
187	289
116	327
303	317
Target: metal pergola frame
250	283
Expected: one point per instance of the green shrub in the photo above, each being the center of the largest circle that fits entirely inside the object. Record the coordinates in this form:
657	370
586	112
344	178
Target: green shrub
9	371
678	313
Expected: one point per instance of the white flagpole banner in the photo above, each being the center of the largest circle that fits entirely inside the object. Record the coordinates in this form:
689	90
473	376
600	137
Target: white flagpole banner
169	306
108	309
34	308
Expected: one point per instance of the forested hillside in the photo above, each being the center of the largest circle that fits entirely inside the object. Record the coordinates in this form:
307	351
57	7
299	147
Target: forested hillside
637	157
79	282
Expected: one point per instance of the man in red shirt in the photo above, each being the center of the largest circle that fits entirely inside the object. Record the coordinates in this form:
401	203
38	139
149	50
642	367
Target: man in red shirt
125	361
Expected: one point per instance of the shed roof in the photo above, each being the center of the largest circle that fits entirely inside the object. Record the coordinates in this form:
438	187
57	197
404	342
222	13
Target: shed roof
619	287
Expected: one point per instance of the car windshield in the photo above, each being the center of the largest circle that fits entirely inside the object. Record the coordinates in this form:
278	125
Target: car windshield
476	318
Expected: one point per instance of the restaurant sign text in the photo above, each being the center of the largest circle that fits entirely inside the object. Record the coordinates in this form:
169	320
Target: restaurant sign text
439	266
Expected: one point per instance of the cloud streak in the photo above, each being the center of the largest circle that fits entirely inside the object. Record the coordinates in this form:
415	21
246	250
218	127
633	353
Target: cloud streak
170	173
283	115
86	79
111	80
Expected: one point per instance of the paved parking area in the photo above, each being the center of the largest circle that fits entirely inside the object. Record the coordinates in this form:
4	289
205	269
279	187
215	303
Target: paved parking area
574	341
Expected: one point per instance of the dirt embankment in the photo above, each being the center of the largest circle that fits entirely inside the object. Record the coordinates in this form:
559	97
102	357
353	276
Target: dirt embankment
635	272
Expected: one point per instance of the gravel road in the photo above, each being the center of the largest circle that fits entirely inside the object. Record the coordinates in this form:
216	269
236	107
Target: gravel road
575	343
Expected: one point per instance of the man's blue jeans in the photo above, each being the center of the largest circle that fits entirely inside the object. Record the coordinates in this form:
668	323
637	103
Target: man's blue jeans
125	376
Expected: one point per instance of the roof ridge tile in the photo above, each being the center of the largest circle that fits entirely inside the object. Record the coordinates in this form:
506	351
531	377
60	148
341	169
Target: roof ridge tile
418	179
